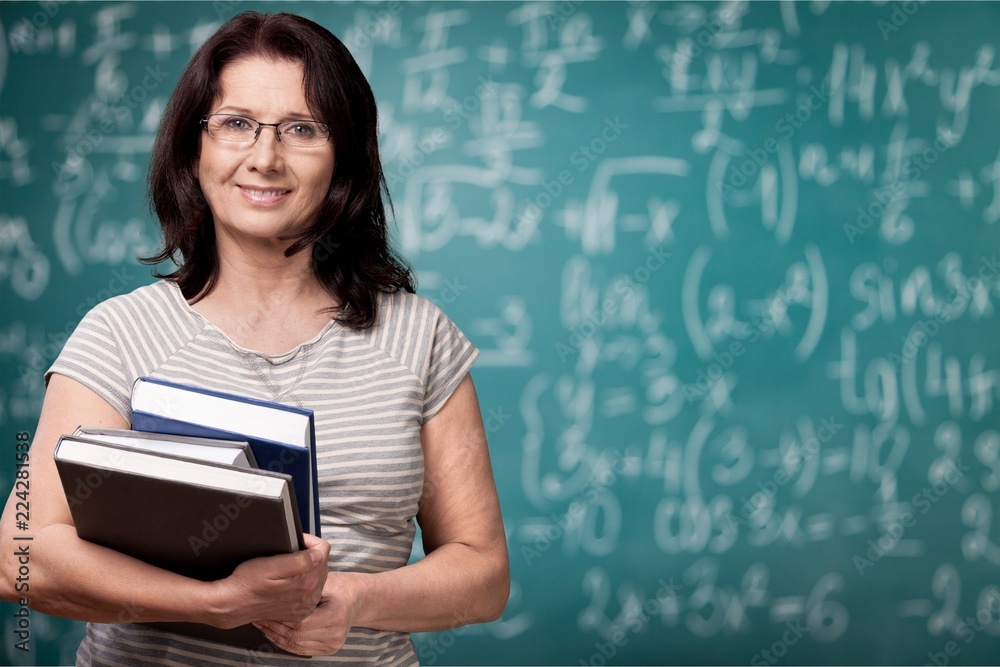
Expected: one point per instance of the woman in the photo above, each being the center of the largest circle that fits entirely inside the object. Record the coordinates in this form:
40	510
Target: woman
267	182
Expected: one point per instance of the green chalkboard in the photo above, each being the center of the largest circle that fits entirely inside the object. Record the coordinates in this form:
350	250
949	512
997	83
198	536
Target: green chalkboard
732	268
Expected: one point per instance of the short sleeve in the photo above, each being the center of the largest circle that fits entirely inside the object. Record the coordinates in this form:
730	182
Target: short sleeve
92	357
451	355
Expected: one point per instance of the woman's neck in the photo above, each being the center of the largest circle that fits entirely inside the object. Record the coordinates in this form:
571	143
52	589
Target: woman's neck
267	304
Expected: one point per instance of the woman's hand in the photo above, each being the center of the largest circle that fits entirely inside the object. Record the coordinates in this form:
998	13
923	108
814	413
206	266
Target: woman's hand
465	576
325	630
286	587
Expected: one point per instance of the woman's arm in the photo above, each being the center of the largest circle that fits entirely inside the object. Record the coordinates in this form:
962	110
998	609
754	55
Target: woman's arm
75	579
465	576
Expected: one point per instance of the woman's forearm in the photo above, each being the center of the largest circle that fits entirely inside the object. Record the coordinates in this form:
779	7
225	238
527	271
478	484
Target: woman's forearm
75	579
465	576
69	577
453	585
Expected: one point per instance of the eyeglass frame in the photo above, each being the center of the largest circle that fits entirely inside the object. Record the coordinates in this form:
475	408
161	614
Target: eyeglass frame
277	131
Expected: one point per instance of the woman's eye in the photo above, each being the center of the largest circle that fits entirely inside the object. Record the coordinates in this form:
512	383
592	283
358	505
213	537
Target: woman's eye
237	123
302	130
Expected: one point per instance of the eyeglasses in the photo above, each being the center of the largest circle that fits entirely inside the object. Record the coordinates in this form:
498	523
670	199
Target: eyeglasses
240	129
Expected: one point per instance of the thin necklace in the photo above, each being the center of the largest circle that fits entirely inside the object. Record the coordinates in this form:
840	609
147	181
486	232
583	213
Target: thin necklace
277	397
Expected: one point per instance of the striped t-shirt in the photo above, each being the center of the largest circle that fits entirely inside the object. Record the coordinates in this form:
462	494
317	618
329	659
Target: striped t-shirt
370	390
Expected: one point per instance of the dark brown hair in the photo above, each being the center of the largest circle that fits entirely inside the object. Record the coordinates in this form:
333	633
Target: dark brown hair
351	253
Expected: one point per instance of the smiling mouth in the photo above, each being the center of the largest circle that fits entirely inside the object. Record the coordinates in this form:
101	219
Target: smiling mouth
263	197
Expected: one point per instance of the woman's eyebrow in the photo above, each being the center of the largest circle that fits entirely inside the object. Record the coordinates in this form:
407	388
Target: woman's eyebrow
295	115
239	110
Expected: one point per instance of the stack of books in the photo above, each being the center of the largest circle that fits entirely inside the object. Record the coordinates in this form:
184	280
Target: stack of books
204	481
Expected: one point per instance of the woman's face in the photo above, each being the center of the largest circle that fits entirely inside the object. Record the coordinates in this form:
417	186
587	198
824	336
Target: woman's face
266	189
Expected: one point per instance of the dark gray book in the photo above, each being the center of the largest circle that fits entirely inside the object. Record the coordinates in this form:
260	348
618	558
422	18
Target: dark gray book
198	518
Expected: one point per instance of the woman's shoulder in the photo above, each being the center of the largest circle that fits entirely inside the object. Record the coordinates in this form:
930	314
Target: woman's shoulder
161	296
408	321
408	309
419	335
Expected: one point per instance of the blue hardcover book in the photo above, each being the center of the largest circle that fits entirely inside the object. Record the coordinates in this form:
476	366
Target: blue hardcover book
282	437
